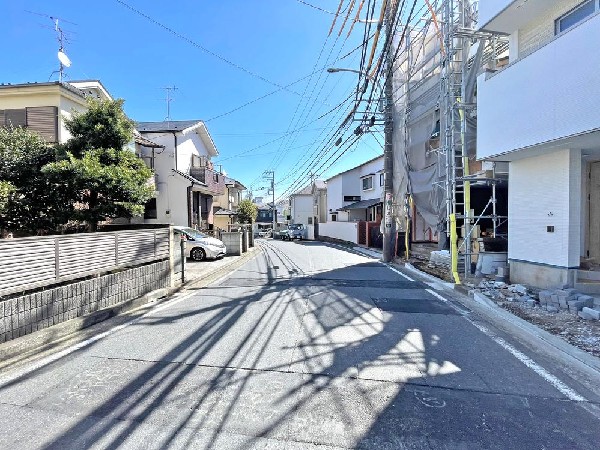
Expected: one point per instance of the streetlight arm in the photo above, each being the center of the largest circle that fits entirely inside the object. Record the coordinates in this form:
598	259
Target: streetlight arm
360	72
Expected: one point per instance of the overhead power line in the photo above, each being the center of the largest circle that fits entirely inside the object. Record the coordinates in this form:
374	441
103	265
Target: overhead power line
201	47
315	7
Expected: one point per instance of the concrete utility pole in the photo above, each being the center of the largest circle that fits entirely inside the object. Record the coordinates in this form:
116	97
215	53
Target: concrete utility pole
388	154
270	175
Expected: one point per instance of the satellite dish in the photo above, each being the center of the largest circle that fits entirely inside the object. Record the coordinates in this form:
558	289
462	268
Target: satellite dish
64	59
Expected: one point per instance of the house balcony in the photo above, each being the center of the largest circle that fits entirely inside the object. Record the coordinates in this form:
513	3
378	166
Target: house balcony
507	16
546	100
214	181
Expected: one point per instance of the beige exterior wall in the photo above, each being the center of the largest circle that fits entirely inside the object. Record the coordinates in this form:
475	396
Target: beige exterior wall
32	96
221	222
541	30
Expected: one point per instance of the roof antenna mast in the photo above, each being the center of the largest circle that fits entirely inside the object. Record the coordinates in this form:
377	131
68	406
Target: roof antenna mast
169	99
63	59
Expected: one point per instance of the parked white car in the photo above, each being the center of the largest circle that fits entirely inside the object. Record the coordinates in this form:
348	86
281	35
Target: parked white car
200	246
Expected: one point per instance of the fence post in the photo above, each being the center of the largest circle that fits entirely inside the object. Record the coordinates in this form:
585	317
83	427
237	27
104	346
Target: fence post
116	248
171	256
182	247
56	258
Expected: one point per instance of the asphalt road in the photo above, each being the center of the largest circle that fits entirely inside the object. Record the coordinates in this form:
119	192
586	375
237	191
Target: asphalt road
306	346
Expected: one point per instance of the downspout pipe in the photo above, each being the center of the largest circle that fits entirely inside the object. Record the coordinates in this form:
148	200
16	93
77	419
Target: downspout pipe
175	151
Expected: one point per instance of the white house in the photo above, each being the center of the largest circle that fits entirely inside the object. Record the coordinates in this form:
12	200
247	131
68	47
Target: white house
185	179
353	197
540	114
301	206
356	194
319	193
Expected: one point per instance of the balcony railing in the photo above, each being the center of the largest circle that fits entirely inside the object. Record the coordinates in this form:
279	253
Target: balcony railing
214	181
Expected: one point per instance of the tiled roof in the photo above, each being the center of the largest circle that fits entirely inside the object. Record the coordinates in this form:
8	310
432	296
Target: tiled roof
167	125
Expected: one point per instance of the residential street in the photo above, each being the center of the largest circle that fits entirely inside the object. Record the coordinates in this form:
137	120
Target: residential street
305	346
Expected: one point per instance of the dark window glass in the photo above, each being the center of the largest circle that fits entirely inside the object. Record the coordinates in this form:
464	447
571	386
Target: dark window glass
575	16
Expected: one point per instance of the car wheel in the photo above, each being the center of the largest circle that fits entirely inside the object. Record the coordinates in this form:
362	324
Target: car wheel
197	254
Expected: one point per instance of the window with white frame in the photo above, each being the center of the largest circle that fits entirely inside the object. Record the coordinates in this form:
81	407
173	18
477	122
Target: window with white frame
367	183
381	179
576	15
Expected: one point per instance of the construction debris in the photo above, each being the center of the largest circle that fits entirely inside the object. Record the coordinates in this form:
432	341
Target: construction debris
567	313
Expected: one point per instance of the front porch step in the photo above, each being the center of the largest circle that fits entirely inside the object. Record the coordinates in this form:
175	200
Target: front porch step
591	287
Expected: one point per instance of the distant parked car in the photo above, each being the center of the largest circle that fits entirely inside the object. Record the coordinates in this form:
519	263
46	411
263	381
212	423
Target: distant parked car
199	245
293	231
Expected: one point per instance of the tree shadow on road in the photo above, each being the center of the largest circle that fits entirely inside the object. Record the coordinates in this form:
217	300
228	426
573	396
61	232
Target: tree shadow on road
295	358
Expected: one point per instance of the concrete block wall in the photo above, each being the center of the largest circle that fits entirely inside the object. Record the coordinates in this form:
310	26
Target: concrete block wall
233	242
35	311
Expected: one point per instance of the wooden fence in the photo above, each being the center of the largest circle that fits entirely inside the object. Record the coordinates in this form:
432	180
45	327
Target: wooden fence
28	263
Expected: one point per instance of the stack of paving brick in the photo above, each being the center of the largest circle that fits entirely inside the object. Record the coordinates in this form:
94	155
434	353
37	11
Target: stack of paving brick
585	306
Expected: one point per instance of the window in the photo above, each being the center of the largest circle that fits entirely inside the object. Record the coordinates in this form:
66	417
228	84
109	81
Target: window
150	209
334	217
352	198
310	220
576	15
42	119
381	179
367	183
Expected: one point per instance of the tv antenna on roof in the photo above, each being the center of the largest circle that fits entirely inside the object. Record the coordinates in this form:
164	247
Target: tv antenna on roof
169	99
63	59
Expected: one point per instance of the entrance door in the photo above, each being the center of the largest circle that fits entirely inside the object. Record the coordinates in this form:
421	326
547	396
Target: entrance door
594	208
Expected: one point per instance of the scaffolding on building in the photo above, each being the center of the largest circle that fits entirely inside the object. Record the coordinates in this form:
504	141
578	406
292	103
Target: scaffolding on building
435	122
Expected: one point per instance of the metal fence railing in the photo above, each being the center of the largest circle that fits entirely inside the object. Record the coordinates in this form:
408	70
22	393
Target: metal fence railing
28	263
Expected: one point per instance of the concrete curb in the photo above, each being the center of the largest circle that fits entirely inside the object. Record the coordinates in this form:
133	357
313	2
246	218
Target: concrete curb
428	277
512	324
21	349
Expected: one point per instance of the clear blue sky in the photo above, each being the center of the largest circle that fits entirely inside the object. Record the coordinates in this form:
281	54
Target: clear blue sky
279	40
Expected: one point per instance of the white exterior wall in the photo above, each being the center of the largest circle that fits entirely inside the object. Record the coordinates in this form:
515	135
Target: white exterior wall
558	85
171	201
172	189
545	190
302	208
351	184
540	30
491	8
373	167
334	195
189	144
344	231
65	110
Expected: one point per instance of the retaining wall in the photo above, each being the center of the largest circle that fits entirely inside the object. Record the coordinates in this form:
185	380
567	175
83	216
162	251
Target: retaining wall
25	314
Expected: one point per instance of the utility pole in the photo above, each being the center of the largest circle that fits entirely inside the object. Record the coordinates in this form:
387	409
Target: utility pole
388	155
270	175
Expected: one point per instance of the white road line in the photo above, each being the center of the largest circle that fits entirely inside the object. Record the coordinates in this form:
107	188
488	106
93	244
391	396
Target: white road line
562	387
177	298
398	272
436	295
